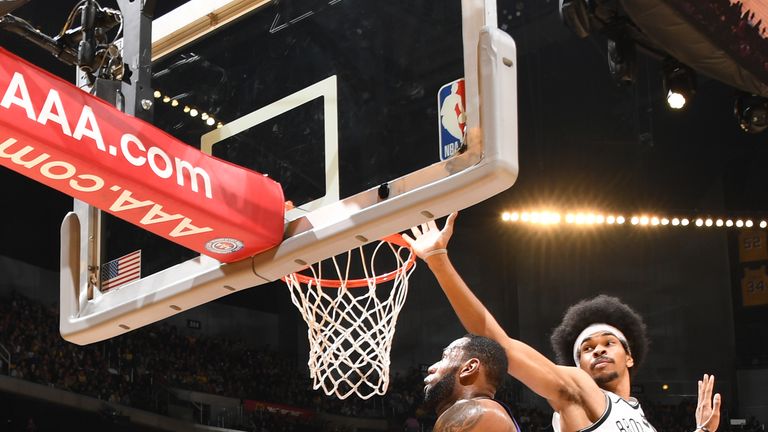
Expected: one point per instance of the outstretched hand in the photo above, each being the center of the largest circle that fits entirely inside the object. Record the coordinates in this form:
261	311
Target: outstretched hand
708	407
427	238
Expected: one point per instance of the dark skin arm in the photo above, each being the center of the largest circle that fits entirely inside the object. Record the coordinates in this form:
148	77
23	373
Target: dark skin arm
475	415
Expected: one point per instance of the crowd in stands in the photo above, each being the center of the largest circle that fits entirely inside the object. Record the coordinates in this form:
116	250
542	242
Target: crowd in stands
137	368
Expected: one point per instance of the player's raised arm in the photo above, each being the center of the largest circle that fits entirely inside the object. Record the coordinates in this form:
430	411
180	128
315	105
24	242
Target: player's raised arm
561	386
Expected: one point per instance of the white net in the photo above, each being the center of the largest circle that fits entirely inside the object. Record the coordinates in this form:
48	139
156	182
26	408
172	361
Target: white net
352	321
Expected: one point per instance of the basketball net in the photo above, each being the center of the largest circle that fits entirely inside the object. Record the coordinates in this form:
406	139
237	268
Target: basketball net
352	321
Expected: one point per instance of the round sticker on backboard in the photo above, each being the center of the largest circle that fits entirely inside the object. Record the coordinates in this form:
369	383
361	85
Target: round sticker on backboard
224	245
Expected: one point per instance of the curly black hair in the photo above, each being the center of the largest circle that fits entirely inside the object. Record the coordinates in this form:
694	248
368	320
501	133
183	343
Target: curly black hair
601	309
490	353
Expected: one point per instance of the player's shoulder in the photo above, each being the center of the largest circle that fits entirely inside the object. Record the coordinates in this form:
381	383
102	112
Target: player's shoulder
475	415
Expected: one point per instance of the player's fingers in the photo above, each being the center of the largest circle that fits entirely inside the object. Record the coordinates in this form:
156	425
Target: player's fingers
424	228
432	225
448	228
415	231
451	219
709	381
407	239
716	405
700	394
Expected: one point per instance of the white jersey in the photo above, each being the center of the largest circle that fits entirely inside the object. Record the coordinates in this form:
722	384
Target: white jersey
620	416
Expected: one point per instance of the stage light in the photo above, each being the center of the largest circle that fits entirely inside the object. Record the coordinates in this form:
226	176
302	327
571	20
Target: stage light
751	112
679	84
193	112
621	59
8	6
575	15
593	219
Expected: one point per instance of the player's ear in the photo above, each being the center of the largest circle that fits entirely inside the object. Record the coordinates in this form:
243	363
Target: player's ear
630	361
469	368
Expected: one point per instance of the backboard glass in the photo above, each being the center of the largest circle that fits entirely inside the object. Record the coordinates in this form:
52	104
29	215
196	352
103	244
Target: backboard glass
358	109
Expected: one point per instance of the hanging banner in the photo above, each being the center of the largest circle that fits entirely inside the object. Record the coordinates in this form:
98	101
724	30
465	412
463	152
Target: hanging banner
61	136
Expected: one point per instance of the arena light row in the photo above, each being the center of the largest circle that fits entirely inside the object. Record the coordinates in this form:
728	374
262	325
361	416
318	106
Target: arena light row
549	218
192	111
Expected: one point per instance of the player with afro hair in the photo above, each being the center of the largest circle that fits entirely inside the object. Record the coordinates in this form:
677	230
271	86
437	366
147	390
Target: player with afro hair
601	309
598	343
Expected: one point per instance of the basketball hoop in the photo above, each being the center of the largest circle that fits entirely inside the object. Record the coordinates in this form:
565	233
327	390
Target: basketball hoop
352	318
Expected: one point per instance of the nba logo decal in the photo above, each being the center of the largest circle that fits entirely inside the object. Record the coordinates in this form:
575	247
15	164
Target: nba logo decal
452	119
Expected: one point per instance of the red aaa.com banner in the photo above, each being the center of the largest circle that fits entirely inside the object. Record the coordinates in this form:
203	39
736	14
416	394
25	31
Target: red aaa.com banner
63	137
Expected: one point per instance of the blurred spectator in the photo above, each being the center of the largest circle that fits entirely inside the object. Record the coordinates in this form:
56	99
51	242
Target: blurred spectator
135	369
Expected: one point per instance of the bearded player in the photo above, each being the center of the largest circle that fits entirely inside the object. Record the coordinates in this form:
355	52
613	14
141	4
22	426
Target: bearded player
462	385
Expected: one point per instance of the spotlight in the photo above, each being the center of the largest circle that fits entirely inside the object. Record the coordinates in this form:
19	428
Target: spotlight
751	112
621	59
679	84
575	15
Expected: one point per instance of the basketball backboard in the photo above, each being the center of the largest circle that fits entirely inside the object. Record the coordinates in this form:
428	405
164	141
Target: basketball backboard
358	109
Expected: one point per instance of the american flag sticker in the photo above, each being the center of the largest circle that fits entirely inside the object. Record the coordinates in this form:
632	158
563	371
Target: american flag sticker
118	272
